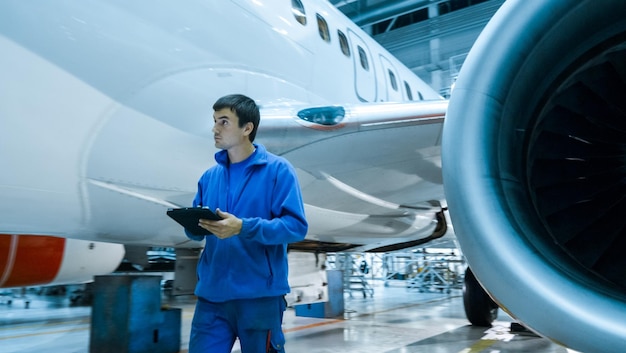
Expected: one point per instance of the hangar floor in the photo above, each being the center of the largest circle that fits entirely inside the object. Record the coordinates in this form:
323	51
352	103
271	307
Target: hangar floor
394	320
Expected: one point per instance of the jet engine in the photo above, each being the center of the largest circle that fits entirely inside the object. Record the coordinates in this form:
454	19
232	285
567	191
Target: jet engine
534	167
32	260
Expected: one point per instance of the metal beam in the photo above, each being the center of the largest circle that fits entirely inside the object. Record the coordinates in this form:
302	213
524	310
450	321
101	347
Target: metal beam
386	10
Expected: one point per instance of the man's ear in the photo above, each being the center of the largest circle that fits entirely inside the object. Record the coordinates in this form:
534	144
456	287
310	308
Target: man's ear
248	128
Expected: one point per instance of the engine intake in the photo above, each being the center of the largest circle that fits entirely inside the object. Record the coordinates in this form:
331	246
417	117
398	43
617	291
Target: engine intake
534	165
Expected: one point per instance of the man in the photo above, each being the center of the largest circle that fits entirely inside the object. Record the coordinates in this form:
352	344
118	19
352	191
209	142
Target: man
242	272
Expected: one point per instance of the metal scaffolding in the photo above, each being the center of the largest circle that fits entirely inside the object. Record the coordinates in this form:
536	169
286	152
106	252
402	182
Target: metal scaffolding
425	271
356	270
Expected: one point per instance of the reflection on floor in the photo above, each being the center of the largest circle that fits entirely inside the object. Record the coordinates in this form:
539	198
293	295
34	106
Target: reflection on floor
394	320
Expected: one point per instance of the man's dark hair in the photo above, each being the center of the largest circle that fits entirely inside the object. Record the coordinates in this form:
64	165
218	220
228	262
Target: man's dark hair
246	109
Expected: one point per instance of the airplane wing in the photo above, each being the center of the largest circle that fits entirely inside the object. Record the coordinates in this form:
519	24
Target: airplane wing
362	189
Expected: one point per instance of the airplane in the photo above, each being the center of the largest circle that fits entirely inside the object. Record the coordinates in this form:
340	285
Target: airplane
116	127
106	124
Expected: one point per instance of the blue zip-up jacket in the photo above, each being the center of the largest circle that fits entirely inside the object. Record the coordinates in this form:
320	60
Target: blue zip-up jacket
252	264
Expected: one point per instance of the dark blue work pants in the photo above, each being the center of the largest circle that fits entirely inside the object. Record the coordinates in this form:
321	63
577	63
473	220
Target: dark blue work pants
257	323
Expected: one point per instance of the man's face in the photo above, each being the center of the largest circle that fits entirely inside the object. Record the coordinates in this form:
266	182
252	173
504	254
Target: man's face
226	131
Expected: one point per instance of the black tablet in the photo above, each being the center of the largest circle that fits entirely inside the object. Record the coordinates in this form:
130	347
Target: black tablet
188	217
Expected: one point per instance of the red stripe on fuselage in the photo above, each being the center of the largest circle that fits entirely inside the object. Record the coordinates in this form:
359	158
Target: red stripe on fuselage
5	257
27	260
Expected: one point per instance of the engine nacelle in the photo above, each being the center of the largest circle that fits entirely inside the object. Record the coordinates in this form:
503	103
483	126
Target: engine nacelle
31	260
534	166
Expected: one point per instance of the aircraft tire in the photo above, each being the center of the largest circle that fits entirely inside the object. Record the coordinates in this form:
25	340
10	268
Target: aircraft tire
480	309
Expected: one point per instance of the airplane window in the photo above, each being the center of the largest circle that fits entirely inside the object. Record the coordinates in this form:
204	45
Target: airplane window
343	43
298	11
322	27
392	78
407	88
363	57
420	95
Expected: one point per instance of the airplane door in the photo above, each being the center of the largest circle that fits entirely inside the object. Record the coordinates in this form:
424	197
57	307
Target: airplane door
364	71
392	81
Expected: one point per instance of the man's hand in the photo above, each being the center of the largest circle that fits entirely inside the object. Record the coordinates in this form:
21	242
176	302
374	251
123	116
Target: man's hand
228	226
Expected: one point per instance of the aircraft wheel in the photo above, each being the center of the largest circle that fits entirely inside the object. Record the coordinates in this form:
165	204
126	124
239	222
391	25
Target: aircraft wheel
480	309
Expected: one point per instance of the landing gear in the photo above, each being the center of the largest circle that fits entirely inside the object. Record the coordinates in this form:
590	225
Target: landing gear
480	309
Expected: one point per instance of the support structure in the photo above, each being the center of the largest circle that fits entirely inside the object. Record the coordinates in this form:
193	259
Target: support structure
333	307
127	316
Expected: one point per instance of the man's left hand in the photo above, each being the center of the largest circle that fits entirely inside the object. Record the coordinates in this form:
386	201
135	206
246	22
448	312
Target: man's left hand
226	227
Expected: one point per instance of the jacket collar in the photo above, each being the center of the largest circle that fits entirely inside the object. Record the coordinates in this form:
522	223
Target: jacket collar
258	157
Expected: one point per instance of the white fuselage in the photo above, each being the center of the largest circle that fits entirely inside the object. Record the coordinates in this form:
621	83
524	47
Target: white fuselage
105	117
